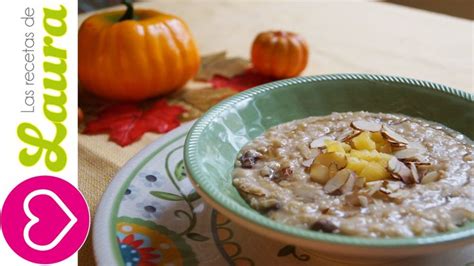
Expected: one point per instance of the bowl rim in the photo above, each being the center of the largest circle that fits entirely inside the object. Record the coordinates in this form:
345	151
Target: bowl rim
220	199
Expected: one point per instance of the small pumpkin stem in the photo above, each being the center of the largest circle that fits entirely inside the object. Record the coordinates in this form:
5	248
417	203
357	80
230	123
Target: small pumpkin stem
129	12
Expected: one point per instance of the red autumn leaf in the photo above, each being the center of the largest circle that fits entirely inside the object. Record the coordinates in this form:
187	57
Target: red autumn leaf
126	123
250	78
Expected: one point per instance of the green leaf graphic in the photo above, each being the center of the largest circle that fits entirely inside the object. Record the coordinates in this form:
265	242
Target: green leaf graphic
197	237
286	250
166	195
193	196
180	171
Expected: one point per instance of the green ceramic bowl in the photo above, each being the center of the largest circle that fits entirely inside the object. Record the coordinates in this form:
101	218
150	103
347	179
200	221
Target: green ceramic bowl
215	139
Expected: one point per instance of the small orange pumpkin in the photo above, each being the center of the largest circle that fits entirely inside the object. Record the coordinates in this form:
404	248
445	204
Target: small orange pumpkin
279	54
136	55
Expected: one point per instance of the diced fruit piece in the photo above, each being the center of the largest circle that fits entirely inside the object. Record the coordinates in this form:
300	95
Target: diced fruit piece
319	173
384	147
383	159
363	142
334	146
328	158
365	155
356	164
377	137
373	156
360	182
381	144
346	147
374	171
332	170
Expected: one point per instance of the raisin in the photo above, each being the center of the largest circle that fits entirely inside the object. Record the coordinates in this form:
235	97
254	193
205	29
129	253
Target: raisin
249	158
324	226
286	172
282	174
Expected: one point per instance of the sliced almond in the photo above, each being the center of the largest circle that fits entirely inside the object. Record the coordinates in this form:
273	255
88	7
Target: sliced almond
345	134
393	186
418	164
430	177
412	160
337	181
356	199
392	136
393	165
418	146
417	160
373	187
364	202
319	173
385	191
407	153
395	176
400	170
397	146
399	195
307	163
400	121
414	173
349	185
353	135
319	142
366	126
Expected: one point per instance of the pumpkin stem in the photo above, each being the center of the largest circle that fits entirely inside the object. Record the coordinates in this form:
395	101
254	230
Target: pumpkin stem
129	12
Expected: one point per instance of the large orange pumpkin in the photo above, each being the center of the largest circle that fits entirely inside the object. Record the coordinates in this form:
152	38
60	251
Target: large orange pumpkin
279	54
136	55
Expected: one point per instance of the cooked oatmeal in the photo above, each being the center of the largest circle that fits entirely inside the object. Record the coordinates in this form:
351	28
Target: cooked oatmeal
364	174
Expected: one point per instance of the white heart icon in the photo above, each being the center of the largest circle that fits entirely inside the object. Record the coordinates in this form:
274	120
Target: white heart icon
34	220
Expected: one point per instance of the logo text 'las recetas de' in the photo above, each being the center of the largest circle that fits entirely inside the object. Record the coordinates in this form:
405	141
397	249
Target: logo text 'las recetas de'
55	98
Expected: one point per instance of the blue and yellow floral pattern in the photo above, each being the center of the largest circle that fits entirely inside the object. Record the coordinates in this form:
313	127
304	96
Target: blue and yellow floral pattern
146	243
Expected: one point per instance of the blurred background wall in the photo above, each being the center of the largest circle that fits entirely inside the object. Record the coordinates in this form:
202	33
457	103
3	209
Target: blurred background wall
457	8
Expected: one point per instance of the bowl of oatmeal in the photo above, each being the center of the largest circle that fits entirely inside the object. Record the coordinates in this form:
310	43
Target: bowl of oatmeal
362	165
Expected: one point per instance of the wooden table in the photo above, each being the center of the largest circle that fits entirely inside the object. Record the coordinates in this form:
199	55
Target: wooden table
344	36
